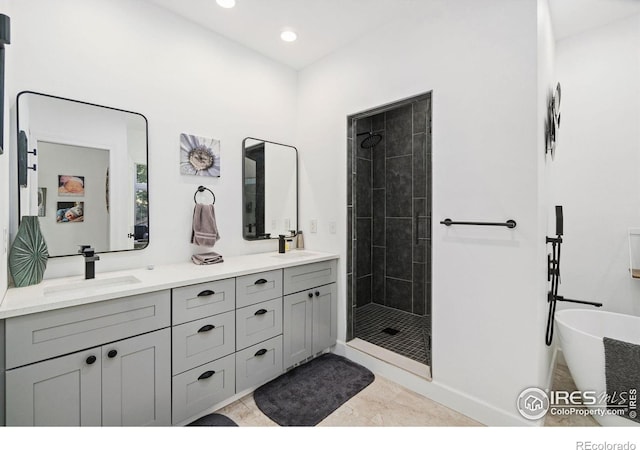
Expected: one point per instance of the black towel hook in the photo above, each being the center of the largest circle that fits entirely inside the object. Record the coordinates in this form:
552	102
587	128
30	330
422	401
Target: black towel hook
202	189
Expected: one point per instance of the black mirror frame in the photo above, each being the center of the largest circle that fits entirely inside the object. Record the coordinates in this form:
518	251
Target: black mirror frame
22	160
244	199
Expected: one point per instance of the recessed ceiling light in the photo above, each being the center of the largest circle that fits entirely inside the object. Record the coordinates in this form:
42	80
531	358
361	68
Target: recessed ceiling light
226	3
288	36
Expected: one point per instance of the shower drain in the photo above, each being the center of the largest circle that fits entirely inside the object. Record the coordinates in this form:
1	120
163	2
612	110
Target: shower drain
391	331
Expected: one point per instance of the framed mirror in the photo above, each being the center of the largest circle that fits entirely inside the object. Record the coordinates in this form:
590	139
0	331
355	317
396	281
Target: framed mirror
82	168
269	189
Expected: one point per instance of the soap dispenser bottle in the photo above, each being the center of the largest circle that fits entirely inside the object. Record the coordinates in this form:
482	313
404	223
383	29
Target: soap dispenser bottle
300	240
281	243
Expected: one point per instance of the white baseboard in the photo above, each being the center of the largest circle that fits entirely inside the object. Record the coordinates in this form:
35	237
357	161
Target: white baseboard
461	402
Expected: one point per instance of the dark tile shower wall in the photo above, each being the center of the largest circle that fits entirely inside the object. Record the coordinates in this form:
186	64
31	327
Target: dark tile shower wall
363	214
389	219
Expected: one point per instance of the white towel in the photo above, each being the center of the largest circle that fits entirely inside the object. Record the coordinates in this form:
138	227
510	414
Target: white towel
205	229
207	258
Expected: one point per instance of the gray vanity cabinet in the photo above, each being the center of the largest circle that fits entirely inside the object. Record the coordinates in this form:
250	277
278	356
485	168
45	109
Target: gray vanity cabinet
125	383
310	315
106	363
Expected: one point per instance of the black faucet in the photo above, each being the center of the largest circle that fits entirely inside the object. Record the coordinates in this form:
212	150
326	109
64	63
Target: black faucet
90	259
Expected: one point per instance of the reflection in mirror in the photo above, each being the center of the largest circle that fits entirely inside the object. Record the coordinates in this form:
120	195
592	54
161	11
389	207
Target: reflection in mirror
83	171
270	189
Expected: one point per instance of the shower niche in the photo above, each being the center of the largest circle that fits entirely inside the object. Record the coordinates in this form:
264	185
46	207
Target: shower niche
389	228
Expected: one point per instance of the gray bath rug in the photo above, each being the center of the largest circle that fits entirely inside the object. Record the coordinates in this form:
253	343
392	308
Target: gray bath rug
213	420
309	393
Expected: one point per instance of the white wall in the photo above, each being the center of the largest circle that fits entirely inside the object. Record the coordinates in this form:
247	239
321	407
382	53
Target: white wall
488	291
5	8
596	172
546	219
135	56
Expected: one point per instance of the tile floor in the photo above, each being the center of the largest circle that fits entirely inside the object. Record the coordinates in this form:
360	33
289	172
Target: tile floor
562	380
382	403
385	403
413	330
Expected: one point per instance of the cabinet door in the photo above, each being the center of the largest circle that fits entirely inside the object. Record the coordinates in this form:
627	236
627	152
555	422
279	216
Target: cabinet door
64	391
136	381
297	328
325	317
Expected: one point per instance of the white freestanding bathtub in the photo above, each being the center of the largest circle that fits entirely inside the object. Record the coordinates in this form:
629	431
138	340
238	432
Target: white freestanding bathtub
581	332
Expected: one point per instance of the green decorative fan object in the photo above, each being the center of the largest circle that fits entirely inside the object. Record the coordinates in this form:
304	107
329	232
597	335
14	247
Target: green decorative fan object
28	255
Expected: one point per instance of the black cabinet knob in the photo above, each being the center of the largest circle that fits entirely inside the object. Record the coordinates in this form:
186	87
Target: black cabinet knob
260	312
91	359
112	353
261	281
261	352
206	293
206	328
310	295
317	294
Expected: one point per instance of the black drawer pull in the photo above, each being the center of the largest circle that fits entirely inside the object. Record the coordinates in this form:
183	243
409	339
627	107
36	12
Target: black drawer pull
207	374
112	353
91	359
206	293
261	352
310	294
260	281
260	312
206	328
317	294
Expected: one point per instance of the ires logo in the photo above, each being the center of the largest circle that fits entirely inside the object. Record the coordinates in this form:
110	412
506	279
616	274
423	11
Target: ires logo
534	403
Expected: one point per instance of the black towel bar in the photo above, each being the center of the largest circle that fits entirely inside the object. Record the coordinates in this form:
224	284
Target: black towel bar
509	223
202	189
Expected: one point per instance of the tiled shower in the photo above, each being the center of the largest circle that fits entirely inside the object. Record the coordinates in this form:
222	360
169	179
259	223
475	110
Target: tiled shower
389	227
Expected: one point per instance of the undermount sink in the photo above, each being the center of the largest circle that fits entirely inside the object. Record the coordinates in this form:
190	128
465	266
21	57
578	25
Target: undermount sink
93	286
295	254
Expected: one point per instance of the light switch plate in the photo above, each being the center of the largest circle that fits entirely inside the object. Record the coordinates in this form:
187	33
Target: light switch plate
332	227
314	225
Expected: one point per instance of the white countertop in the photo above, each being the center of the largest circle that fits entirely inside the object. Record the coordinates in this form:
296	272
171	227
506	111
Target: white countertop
72	291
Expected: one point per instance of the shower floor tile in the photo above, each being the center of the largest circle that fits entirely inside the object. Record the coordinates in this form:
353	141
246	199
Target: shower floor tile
376	323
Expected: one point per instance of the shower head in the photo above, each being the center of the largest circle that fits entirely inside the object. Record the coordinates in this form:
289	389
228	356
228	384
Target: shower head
371	140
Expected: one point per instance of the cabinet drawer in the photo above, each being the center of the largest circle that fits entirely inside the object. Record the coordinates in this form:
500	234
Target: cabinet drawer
258	287
201	341
39	336
257	323
258	364
203	300
308	276
201	388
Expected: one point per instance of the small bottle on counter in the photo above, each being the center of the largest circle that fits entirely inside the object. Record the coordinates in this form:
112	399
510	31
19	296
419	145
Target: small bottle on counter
288	245
300	240
281	244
